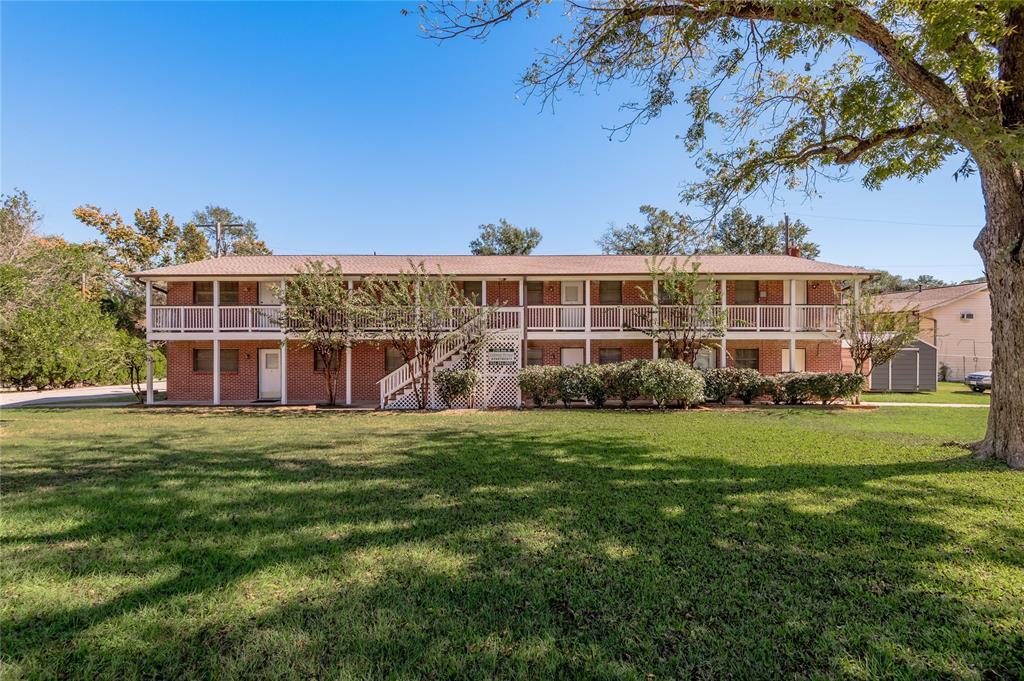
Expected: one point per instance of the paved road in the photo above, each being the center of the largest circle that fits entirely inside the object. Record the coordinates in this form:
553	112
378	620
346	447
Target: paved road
69	395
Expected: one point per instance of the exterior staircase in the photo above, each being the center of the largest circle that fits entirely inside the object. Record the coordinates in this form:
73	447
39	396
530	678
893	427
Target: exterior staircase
396	389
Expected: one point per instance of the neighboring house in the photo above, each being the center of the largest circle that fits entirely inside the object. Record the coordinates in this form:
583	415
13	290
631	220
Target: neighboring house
957	320
554	310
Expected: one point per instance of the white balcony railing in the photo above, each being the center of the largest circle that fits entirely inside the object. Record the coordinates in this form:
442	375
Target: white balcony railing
552	318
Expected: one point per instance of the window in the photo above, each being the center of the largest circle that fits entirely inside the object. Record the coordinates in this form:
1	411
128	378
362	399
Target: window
202	293
572	293
534	357
535	293
269	293
705	359
318	362
202	360
747	358
966	316
392	359
609	355
609	293
746	292
474	290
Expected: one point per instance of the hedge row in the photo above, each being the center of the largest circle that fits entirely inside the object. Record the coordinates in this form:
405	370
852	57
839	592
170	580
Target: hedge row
668	382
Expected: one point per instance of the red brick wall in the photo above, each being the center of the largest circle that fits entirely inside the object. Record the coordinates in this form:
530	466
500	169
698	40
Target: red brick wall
633	292
553	349
179	293
367	369
552	293
822	293
505	293
631	349
772	287
820	355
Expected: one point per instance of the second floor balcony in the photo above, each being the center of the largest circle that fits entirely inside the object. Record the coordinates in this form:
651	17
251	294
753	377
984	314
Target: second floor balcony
567	319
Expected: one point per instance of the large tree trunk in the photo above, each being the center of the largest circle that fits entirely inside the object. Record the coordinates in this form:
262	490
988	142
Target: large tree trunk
1000	244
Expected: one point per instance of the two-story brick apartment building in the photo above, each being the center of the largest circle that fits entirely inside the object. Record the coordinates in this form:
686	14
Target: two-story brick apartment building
219	320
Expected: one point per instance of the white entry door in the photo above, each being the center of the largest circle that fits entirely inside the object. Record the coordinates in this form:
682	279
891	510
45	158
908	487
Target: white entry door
571	356
270	373
801	359
801	293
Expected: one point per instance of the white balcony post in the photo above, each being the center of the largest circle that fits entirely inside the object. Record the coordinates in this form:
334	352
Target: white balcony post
216	307
792	324
656	317
586	321
149	375
149	308
284	371
348	356
483	293
722	362
216	370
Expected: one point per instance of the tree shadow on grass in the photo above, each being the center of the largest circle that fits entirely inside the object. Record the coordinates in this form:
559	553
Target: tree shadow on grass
468	550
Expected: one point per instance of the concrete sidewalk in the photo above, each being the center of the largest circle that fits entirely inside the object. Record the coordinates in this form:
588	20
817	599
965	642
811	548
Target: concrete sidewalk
926	404
95	396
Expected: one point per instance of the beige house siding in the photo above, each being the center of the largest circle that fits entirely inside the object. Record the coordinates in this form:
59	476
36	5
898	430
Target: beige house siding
963	345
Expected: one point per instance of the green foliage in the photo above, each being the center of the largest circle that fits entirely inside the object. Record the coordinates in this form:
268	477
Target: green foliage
680	336
239	235
538	382
60	341
455	384
887	282
740	233
505	239
874	331
829	387
750	384
667	380
626	380
720	384
664	233
569	383
596	382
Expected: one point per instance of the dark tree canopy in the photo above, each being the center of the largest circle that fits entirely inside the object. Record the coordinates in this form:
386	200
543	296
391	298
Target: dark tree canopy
239	235
663	233
737	232
505	238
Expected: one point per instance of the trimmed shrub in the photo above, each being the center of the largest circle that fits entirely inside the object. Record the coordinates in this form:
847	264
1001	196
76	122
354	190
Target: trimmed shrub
596	381
626	380
570	383
830	387
750	384
668	380
798	388
775	388
454	384
719	384
539	384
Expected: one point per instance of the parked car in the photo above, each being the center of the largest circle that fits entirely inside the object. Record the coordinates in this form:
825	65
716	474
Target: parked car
979	381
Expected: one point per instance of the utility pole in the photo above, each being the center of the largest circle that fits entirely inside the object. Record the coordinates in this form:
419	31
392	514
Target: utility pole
785	217
219	241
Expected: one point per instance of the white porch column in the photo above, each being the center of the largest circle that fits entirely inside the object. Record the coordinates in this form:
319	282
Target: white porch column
216	342
348	358
792	324
284	371
654	349
149	308
483	292
586	321
722	361
216	370
149	375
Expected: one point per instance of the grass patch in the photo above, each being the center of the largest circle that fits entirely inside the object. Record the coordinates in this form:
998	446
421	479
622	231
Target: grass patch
507	545
948	392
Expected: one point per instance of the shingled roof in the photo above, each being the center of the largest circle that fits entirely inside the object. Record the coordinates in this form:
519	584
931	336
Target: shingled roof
495	265
929	298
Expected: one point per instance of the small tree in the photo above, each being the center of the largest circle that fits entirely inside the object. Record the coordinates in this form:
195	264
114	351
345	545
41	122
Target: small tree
505	238
685	315
875	333
413	313
320	310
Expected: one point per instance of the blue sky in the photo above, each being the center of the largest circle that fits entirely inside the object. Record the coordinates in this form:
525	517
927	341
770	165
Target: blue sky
339	129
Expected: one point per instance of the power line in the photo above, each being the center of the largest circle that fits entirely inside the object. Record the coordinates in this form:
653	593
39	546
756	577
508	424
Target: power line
812	216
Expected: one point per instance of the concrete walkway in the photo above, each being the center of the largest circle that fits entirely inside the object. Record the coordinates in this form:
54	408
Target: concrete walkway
95	396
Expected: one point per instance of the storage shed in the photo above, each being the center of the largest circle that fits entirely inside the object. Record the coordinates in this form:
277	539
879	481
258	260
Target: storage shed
913	369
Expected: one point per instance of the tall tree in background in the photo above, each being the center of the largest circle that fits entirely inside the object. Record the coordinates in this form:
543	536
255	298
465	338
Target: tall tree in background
238	234
505	238
664	233
900	87
738	232
18	222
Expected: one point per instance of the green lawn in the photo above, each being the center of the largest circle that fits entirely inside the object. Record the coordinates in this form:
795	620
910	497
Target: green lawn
587	544
948	393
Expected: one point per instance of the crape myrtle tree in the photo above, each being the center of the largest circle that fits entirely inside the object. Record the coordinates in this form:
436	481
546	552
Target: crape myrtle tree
320	310
803	90
414	312
685	315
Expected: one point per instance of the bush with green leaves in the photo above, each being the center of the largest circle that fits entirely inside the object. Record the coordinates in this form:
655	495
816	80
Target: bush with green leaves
829	387
570	383
594	381
799	388
539	383
719	384
751	384
455	384
669	380
626	380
